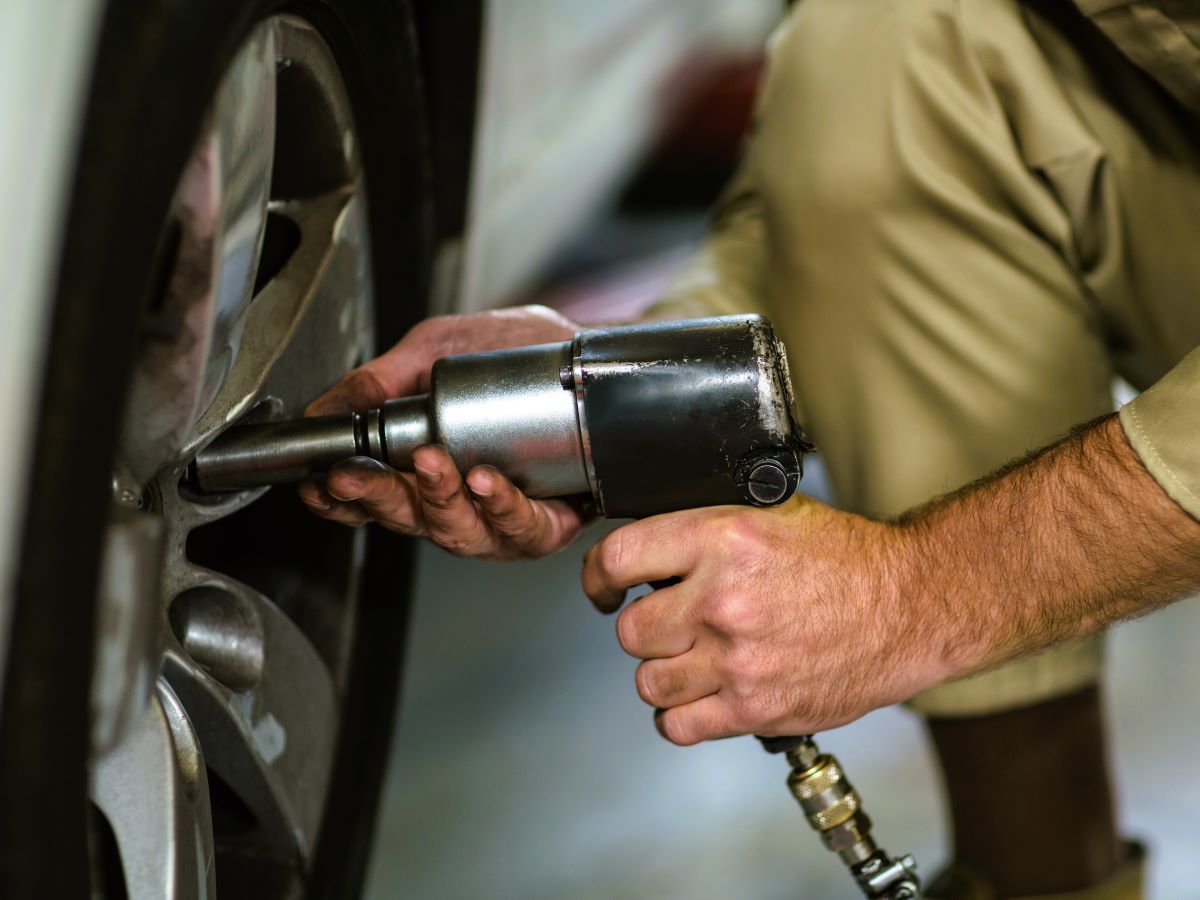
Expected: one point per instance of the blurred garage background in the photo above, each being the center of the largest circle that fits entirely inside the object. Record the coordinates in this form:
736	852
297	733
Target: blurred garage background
524	765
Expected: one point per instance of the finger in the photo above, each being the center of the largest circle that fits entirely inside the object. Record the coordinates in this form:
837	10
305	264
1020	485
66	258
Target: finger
664	683
401	371
358	390
347	514
322	504
313	495
451	518
388	496
660	625
701	720
532	528
650	550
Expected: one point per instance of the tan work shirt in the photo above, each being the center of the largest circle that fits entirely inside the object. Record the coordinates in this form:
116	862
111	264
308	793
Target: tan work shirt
964	217
1163	425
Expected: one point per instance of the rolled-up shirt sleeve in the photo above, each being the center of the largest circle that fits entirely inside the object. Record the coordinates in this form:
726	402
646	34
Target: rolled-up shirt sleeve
1163	425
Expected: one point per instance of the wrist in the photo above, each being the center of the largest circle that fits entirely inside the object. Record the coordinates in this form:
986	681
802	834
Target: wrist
936	601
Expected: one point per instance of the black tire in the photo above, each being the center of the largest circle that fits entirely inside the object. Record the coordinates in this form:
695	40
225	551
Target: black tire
157	65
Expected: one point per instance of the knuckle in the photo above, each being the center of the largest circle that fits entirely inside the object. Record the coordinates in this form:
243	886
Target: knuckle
454	538
408	529
452	542
517	524
741	535
732	612
440	501
383	495
613	552
399	519
504	503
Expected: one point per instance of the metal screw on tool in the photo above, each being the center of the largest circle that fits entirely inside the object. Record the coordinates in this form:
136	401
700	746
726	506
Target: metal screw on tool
767	482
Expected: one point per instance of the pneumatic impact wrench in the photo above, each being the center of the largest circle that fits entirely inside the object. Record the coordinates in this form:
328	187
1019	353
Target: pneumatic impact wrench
645	419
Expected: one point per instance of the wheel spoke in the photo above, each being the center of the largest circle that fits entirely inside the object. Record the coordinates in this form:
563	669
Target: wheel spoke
263	704
210	257
304	329
128	631
244	142
154	792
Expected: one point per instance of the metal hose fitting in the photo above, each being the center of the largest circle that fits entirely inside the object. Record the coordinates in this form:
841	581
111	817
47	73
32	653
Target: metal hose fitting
834	810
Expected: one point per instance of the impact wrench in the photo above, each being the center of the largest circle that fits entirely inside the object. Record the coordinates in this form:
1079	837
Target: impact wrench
645	419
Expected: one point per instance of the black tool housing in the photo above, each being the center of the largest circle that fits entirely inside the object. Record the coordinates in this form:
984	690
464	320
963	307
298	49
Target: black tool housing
683	414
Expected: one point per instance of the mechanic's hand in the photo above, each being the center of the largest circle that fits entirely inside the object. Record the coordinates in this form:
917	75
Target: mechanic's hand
485	515
404	370
787	621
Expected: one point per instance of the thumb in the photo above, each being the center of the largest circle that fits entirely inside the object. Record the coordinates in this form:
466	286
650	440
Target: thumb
368	386
400	372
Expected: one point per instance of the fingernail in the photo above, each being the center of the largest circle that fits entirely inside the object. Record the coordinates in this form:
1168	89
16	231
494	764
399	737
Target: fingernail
318	504
428	476
481	485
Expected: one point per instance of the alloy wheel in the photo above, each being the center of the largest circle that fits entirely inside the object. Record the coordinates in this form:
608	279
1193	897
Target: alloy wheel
225	623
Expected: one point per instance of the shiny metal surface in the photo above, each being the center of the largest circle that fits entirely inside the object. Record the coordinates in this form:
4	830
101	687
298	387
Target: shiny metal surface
125	664
222	632
691	414
574	380
767	483
404	426
503	408
249	456
268	302
211	243
508	409
153	790
834	809
276	452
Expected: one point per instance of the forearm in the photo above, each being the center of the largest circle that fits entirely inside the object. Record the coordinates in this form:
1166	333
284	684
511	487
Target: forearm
1056	546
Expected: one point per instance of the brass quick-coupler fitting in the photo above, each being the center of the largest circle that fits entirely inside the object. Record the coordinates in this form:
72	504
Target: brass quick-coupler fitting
834	810
831	804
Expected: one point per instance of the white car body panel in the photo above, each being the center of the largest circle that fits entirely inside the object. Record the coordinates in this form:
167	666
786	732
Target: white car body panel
46	51
571	96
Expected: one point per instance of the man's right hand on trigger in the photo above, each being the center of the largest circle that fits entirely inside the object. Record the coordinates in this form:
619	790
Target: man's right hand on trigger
484	515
